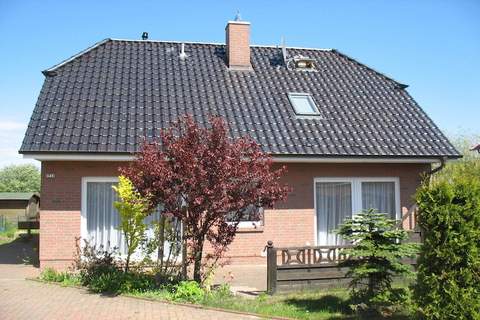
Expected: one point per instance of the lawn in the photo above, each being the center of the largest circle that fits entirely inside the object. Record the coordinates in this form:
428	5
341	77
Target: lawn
325	304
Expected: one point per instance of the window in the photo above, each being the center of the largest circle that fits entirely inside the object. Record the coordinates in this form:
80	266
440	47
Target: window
304	63
303	104
252	216
339	198
100	219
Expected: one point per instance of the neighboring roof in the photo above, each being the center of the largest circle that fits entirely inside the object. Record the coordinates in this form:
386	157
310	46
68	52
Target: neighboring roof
18	195
110	96
476	148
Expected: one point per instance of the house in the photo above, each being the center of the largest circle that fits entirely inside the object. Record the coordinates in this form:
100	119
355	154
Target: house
476	148
17	206
351	137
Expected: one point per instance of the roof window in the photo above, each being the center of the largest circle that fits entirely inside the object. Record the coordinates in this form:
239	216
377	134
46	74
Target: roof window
304	63
303	104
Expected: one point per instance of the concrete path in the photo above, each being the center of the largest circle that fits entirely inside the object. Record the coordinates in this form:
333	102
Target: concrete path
23	299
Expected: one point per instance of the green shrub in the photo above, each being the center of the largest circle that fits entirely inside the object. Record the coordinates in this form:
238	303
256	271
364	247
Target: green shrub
448	281
100	271
374	261
137	282
66	278
189	291
222	291
51	275
105	281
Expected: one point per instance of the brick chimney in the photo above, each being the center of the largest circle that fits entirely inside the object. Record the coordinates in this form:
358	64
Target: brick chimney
237	39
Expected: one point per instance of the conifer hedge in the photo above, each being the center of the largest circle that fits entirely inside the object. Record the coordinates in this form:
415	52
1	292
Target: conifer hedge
448	278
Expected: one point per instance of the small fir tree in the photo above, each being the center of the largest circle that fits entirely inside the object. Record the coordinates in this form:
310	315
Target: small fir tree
374	260
132	208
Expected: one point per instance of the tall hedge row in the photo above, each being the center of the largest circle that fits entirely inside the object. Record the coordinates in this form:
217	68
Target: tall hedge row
448	283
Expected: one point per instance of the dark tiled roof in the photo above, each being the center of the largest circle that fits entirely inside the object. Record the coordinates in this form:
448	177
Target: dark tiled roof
106	99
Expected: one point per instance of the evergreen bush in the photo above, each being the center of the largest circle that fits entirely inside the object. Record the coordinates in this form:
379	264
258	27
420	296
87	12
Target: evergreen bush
374	260
448	280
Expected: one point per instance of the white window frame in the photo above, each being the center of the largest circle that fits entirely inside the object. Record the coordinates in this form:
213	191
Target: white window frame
83	221
251	224
356	183
291	95
85	180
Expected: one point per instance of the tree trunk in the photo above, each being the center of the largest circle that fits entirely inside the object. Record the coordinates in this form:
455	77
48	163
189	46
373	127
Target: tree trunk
127	262
197	268
184	252
161	242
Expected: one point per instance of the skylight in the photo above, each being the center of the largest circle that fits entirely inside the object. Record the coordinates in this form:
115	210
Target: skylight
303	104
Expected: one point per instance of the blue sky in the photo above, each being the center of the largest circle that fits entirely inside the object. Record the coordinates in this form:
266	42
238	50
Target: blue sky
433	46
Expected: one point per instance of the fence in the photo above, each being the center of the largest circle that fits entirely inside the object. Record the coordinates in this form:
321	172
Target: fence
296	268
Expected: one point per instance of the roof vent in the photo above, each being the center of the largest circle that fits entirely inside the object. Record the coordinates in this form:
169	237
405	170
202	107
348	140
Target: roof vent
183	55
284	51
145	36
238	17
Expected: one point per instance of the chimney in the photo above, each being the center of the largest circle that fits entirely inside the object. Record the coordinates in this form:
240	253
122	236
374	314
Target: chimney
237	39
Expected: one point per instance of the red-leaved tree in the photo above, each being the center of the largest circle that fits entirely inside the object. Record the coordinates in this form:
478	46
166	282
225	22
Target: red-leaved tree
201	176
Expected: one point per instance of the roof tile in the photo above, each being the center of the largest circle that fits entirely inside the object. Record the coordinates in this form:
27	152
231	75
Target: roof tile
108	98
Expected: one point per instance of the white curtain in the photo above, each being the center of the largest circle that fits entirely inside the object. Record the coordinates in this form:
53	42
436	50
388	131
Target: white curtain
379	196
334	204
103	219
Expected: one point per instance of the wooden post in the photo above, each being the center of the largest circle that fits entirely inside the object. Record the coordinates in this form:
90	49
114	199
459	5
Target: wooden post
271	268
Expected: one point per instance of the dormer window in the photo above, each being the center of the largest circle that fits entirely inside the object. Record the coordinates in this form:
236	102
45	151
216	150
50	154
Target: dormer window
303	104
304	63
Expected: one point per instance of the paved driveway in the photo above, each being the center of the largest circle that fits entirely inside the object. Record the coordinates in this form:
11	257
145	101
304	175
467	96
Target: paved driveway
22	299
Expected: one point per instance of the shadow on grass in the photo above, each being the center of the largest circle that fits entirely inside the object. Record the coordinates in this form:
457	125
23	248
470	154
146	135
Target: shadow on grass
327	303
333	304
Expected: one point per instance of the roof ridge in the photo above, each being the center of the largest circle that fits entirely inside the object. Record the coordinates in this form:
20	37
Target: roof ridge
217	44
51	71
401	85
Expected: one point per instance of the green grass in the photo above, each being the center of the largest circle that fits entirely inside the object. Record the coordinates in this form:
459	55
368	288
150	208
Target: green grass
63	278
300	305
311	305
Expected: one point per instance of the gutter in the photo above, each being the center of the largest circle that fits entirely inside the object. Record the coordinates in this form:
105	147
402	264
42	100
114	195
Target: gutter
46	156
443	160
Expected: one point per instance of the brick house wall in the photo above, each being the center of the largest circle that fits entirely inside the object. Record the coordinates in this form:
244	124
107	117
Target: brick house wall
290	223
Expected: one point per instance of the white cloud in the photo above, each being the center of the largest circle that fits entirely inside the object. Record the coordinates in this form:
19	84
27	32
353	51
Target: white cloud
7	126
11	136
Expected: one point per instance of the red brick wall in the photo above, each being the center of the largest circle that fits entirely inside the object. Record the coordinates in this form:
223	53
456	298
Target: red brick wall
290	223
63	191
60	209
238	45
58	231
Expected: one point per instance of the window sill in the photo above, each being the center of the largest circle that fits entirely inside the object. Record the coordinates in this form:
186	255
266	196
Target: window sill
251	229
